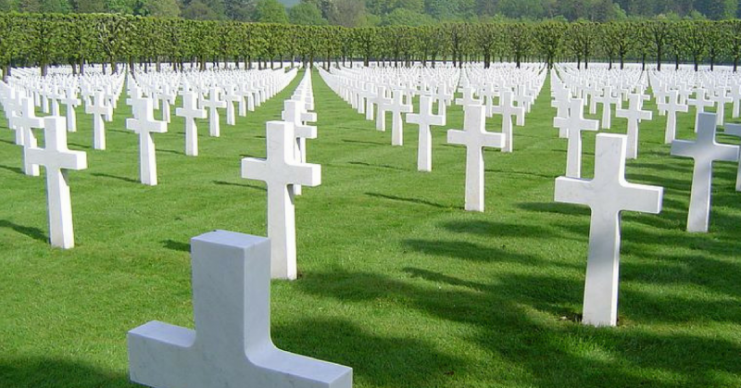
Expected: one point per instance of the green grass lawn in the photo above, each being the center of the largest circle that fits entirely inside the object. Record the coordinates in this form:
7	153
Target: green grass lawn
396	280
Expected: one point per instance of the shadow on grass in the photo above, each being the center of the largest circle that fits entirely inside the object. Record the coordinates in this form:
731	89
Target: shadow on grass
363	142
412	200
524	173
386	166
120	178
381	361
34	233
469	251
16	170
55	373
7	141
498	229
176	245
506	319
224	183
555	207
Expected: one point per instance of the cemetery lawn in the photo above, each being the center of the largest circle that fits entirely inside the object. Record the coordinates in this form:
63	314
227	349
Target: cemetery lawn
396	280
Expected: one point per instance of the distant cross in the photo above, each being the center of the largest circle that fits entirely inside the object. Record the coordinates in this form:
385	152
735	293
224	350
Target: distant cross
98	108
507	110
56	94
705	150
608	194
607	99
372	92
425	118
189	112
214	102
572	126
71	101
442	96
280	171
293	113
230	98
735	94
56	159
467	98
475	138
720	98
671	106
383	104
231	346
144	125
25	122
634	114
397	121
700	102
735	130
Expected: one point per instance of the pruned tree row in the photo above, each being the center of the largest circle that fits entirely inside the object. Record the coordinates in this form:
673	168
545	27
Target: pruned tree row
48	39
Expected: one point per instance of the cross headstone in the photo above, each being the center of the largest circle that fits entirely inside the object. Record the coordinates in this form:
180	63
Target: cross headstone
189	112
634	114
26	121
608	100
98	108
719	96
397	121
608	194
293	113
213	103
382	102
475	137
700	102
507	110
425	118
280	171
574	126
705	150
735	130
671	106
231	346
144	124
56	159
71	101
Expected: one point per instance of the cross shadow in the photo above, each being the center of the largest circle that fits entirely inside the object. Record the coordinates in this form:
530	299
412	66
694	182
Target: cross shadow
509	172
34	233
224	183
498	229
555	207
39	372
171	152
377	166
411	200
101	175
80	146
7	142
363	142
176	245
12	169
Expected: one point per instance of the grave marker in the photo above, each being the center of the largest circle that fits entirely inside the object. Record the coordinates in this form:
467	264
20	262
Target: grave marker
608	194
231	346
189	112
425	118
144	125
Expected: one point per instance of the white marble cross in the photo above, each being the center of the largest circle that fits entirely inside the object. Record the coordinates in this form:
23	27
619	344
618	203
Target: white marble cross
507	110
231	346
475	137
56	159
71	101
144	124
280	171
574	126
397	121
382	102
293	112
189	112
700	102
735	130
608	194
98	108
230	98
467	98
25	122
719	96
705	150
214	102
671	106
634	114
425	118
607	99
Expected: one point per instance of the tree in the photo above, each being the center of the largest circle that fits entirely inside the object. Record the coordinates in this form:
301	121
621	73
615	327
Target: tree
519	38
271	11
548	40
487	37
658	32
29	6
347	13
366	38
581	37
161	8
733	28
241	10
695	41
306	14
617	40
198	10
405	17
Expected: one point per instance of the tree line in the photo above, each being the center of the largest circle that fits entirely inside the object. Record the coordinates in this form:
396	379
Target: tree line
77	40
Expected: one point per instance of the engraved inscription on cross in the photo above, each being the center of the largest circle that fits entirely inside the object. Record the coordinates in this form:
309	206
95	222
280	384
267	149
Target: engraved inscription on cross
231	346
608	194
280	171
